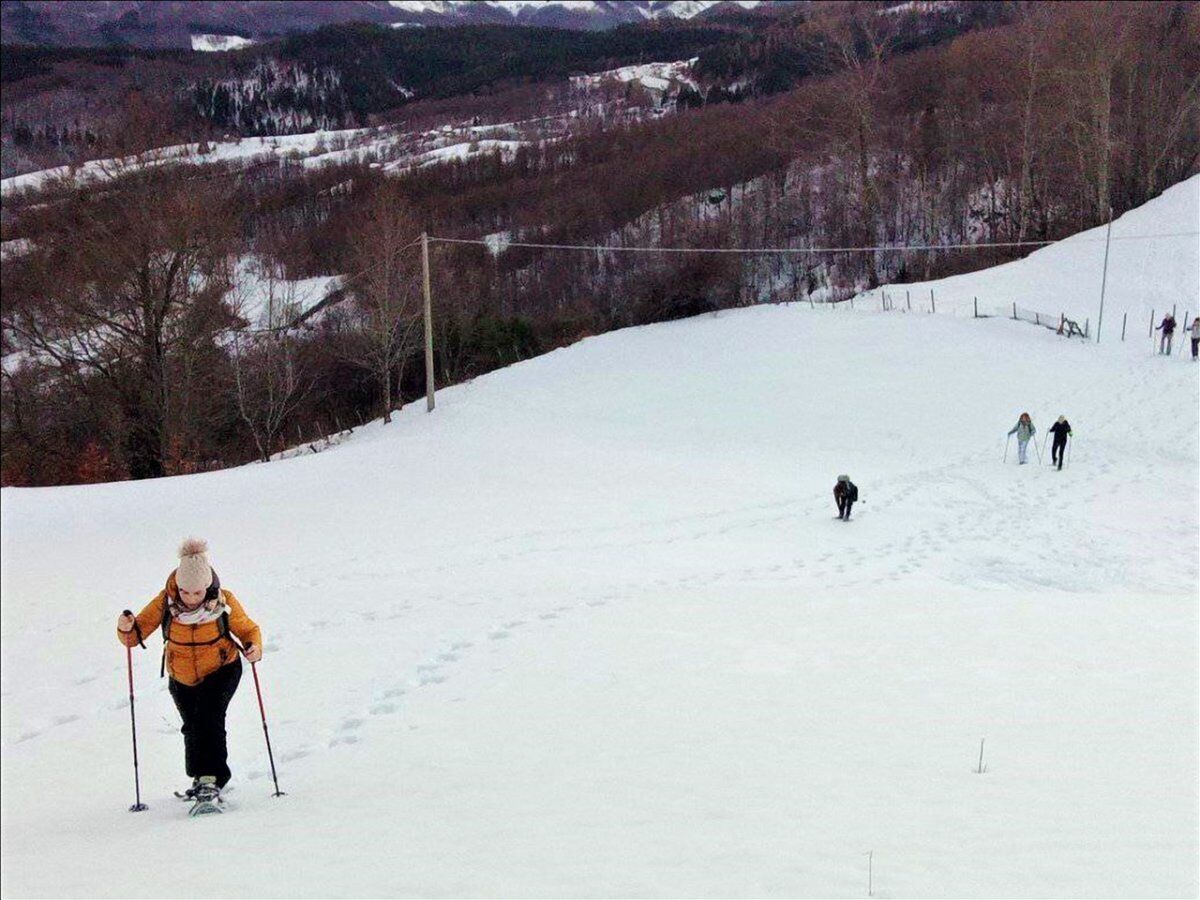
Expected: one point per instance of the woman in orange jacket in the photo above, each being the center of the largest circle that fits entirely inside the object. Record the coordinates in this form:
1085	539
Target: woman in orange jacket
199	620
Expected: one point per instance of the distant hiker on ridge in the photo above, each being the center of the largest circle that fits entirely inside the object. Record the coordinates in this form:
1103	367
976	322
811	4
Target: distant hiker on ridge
1060	429
1194	328
1167	327
845	493
199	619
1024	430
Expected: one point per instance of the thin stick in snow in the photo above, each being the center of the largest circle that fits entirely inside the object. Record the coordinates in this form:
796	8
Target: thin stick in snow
980	770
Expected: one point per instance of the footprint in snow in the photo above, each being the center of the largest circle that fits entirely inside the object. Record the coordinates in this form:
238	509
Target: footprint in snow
351	724
498	635
393	692
383	709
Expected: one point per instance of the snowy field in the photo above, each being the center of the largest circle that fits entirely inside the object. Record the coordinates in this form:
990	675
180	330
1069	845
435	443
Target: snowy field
592	629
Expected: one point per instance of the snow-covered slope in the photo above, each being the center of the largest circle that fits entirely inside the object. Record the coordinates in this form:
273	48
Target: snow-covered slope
591	628
1146	271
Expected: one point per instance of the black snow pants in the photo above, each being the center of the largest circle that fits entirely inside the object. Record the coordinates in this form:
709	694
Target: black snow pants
202	707
1057	451
844	504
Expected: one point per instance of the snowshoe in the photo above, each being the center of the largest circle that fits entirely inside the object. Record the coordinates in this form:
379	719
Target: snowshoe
206	797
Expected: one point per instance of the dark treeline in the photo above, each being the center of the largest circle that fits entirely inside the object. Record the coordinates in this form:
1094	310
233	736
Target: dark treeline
132	363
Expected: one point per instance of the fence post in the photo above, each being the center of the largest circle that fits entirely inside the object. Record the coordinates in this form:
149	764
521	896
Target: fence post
852	303
976	307
1087	327
932	305
1014	310
1037	317
1124	319
908	299
1151	333
811	303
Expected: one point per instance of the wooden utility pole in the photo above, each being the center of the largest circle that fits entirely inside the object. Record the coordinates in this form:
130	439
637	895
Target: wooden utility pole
1104	274
428	323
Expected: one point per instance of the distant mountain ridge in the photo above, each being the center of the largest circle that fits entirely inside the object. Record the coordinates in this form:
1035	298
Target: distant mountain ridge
173	23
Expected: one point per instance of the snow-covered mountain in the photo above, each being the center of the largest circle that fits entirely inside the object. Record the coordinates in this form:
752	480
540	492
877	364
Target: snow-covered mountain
567	13
172	23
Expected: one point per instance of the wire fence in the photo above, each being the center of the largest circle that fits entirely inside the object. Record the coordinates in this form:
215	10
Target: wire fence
1060	323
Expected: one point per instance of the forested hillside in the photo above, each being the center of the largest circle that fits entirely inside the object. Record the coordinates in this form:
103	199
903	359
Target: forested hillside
159	317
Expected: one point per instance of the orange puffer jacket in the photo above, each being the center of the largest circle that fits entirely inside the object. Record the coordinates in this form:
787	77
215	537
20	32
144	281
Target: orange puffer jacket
195	651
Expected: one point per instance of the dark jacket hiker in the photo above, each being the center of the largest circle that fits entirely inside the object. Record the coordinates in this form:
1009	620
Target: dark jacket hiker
1061	430
845	493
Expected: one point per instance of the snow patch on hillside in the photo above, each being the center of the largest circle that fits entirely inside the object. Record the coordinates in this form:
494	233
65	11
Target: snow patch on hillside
266	300
657	75
215	43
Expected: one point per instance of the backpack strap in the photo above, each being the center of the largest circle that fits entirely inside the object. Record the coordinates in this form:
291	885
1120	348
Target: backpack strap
223	634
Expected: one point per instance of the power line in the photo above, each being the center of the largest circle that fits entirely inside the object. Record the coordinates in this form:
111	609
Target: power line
881	248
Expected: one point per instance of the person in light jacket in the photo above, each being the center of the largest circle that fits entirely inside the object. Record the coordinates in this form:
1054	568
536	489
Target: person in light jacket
1024	430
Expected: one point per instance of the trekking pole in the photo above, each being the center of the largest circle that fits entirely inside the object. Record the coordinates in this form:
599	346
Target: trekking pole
138	805
1007	443
262	711
1039	451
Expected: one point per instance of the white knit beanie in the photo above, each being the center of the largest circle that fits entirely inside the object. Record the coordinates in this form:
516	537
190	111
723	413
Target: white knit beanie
194	572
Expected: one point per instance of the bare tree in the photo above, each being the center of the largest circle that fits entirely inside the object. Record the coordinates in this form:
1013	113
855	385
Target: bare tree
133	276
269	378
385	290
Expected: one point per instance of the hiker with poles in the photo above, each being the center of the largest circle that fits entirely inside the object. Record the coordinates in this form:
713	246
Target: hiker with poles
1061	430
1167	327
1024	430
205	632
1194	328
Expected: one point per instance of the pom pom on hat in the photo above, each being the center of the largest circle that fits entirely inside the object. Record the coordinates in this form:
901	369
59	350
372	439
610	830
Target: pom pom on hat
194	572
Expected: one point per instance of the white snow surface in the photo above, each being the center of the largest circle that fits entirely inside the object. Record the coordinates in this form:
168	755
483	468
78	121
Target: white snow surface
591	629
214	43
1146	271
657	75
269	303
